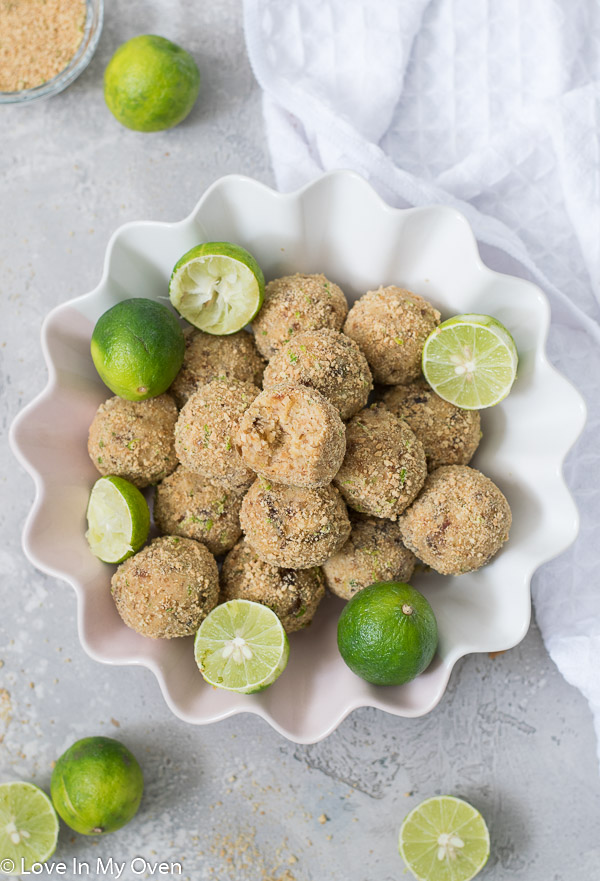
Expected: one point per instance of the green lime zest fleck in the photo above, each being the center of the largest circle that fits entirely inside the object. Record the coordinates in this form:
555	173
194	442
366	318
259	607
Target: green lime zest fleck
219	506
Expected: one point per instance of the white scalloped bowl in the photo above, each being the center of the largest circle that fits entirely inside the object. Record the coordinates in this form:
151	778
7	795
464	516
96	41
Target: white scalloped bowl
339	226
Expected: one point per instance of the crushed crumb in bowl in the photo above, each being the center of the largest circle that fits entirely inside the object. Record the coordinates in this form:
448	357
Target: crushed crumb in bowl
45	46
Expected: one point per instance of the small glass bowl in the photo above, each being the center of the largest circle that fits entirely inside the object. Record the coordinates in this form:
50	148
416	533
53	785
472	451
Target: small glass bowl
77	64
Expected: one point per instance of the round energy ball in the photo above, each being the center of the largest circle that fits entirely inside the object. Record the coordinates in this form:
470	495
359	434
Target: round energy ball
459	521
296	303
135	439
391	325
293	594
449	434
291	434
187	504
327	361
293	527
167	589
384	467
209	357
374	552
206	429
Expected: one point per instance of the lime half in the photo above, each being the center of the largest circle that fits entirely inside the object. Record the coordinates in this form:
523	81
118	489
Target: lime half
241	646
118	519
28	827
444	839
470	361
218	287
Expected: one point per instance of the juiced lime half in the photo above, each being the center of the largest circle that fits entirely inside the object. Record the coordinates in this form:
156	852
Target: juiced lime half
444	839
218	287
118	519
241	646
28	827
470	361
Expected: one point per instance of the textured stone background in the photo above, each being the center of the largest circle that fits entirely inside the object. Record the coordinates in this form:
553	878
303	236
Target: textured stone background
235	800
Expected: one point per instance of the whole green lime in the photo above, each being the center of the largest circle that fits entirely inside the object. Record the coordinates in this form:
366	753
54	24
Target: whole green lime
387	633
151	84
97	786
137	348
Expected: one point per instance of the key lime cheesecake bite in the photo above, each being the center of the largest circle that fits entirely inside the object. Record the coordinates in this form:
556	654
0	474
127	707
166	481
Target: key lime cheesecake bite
450	435
294	304
188	505
291	434
327	361
374	552
209	357
293	594
459	522
294	527
390	325
165	590
207	428
384	467
134	439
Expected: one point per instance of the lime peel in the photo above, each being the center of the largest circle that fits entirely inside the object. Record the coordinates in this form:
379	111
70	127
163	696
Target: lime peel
471	361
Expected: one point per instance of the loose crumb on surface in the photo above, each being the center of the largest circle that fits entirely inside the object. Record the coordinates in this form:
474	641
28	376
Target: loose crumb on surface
38	40
240	853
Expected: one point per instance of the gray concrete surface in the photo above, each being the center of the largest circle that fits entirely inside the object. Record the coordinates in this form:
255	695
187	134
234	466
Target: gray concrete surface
235	800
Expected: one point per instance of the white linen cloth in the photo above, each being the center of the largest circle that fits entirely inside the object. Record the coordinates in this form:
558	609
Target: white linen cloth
493	107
